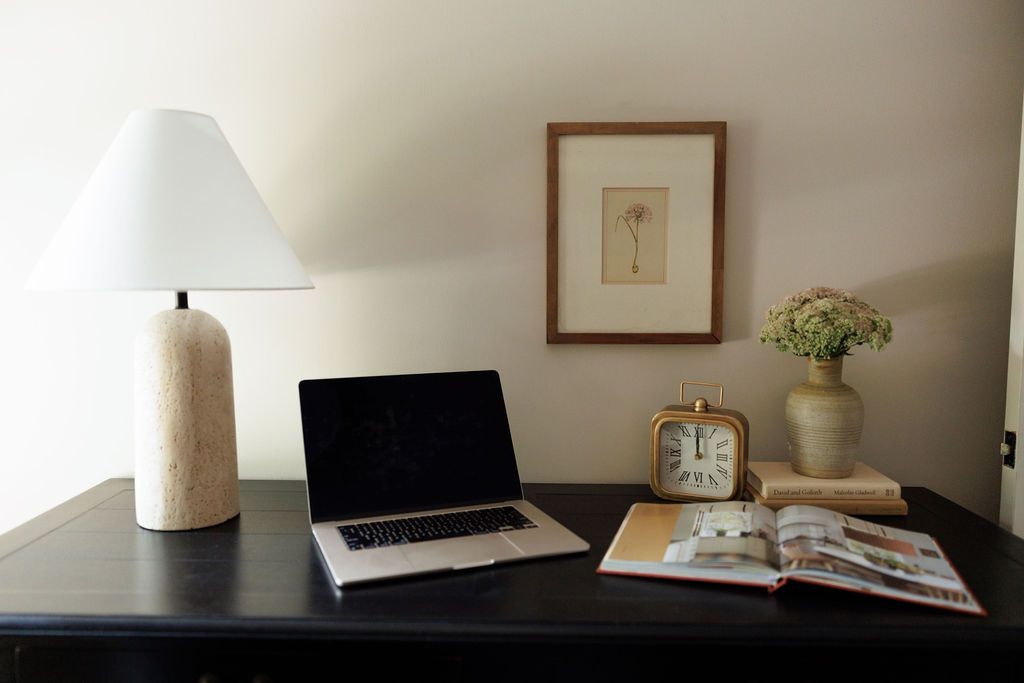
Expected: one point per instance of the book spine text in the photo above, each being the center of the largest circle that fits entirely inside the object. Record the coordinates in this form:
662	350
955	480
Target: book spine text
834	491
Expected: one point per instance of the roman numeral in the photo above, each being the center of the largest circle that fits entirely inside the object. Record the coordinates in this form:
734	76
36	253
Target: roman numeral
674	452
685	476
684	431
723	457
722	444
673	466
698	477
724	472
711	478
700	431
675	437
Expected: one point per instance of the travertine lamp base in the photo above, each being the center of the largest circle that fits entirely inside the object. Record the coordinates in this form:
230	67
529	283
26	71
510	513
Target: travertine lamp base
186	463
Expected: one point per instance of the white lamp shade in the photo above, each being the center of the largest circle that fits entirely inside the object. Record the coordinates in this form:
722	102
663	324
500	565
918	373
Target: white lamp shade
169	208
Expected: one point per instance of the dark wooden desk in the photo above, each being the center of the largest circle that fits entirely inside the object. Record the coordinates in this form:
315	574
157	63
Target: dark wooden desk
86	595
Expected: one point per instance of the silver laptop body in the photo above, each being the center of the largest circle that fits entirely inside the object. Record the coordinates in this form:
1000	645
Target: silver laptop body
400	447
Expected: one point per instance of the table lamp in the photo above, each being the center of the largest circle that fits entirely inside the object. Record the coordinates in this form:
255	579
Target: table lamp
171	208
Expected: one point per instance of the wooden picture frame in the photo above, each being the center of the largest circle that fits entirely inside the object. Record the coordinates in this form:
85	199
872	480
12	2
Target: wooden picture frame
653	193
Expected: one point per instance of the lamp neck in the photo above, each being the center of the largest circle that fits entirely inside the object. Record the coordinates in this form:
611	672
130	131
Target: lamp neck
182	300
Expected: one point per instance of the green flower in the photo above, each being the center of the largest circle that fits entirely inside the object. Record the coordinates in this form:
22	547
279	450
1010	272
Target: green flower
822	322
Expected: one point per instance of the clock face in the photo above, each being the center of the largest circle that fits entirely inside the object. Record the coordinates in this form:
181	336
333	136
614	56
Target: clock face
697	458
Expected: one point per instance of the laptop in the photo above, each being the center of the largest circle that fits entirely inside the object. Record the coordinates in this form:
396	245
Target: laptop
409	474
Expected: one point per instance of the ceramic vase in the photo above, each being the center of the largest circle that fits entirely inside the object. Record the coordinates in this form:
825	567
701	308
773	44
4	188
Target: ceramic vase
824	418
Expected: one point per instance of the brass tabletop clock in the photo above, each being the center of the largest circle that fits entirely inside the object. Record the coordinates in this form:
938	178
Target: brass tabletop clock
699	450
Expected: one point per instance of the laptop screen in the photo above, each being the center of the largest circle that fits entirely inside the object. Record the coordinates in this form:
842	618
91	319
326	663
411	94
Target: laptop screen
402	443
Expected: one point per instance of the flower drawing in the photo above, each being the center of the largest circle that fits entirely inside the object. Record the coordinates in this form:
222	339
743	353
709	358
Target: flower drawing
822	322
638	213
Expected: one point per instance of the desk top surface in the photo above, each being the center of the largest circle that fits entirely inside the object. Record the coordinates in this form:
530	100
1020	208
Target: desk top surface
85	568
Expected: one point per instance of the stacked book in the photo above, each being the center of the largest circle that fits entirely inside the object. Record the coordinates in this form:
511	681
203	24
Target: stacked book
866	492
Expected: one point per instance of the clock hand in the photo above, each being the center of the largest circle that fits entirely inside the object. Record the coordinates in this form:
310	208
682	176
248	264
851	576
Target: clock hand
696	443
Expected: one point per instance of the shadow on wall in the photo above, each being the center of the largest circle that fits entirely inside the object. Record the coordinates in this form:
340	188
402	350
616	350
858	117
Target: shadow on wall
433	189
958	284
949	397
741	225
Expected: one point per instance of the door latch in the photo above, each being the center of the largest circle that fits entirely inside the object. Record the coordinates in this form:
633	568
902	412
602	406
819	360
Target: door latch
1008	449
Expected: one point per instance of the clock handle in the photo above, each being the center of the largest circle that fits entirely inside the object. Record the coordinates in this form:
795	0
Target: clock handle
682	393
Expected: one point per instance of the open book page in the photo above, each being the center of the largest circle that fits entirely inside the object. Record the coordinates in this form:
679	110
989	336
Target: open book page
724	535
829	547
732	541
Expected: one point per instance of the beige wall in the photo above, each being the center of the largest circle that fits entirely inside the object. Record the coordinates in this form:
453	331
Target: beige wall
872	146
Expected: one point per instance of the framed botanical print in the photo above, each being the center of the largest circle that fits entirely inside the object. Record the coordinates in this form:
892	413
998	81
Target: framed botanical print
636	233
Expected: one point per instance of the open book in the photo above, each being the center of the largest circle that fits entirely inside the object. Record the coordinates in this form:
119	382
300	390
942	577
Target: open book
747	543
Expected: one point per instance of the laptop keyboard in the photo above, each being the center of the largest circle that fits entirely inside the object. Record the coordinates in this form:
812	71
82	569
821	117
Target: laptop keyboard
433	527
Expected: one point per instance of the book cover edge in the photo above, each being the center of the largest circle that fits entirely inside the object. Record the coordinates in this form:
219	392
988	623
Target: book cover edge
874	490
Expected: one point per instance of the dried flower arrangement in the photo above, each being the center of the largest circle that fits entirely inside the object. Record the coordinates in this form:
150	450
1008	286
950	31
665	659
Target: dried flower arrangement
822	322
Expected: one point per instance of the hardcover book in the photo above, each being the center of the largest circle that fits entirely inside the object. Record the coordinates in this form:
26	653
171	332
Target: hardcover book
776	479
746	543
849	506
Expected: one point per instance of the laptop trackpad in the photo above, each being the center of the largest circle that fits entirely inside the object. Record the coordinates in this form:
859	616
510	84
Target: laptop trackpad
457	552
